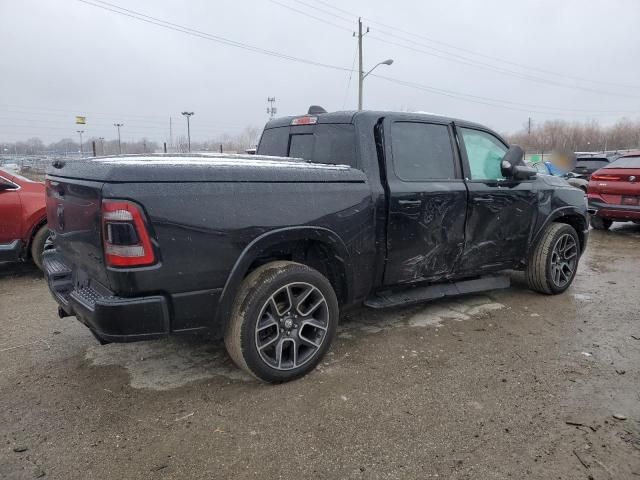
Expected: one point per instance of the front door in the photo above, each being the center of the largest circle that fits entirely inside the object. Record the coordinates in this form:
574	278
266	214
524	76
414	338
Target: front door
427	201
501	212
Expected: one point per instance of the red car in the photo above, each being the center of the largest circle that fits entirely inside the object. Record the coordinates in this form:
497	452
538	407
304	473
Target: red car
614	192
23	219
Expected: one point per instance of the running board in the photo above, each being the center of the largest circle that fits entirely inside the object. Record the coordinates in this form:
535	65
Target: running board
409	296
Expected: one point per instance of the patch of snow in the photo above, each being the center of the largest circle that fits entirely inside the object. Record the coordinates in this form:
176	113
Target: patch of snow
219	160
168	363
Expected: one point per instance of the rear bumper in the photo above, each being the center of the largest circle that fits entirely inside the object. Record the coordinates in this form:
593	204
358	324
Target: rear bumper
110	318
613	212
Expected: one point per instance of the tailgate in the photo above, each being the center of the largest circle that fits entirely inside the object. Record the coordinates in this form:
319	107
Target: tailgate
619	186
73	214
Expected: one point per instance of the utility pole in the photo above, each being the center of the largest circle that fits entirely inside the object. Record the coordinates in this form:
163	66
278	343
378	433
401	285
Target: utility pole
118	125
529	127
360	65
170	133
80	132
188	115
272	110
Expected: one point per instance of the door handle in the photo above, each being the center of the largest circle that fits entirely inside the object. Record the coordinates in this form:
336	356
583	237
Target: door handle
482	199
410	203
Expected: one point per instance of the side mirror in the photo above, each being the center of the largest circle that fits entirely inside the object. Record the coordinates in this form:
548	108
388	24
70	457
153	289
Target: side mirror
513	167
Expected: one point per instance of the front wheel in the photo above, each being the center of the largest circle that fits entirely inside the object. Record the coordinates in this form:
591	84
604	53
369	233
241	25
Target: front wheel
284	319
554	260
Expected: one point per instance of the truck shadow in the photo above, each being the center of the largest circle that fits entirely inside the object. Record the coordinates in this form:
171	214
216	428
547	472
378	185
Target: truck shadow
177	361
19	269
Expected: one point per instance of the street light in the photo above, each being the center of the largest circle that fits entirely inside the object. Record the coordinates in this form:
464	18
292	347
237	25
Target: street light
80	132
365	75
118	125
188	115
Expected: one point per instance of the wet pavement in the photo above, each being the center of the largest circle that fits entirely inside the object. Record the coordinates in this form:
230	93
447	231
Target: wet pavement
506	385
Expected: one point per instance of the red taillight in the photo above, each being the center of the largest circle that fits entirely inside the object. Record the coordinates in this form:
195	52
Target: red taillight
306	120
606	177
125	236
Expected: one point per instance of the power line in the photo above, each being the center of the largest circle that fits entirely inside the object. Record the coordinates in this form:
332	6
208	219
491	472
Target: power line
452	57
462	49
311	16
204	35
353	66
207	36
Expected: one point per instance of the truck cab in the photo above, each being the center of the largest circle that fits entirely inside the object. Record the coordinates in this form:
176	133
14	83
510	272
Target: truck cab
447	209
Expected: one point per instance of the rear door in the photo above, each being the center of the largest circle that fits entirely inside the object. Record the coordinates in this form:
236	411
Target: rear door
501	212
427	201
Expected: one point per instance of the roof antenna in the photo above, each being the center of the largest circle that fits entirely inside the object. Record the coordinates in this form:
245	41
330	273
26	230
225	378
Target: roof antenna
315	110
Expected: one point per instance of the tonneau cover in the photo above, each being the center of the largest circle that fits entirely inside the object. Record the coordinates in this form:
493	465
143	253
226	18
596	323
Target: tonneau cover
202	168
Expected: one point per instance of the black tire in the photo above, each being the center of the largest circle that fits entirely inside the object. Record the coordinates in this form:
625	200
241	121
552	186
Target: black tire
544	260
600	223
257	319
38	244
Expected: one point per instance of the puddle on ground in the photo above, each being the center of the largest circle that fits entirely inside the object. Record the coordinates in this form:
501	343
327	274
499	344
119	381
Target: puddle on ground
168	363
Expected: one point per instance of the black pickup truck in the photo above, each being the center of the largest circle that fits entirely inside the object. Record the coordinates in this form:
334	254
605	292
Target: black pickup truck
335	210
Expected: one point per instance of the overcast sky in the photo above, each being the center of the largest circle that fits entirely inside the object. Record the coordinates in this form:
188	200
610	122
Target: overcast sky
495	62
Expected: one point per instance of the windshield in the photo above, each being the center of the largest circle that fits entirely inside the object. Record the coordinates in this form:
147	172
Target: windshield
626	162
591	163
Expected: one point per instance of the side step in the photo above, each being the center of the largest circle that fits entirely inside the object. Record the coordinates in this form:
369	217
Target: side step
389	298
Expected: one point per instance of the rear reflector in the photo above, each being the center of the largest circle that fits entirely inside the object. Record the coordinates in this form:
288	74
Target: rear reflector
125	235
306	120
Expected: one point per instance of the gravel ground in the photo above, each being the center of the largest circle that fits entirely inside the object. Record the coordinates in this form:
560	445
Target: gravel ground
511	384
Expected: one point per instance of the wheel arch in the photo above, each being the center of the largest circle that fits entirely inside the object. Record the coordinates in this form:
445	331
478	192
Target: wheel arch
317	247
570	216
36	226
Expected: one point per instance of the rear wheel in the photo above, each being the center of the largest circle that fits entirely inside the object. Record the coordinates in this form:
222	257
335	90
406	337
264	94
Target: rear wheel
553	263
600	223
38	245
284	319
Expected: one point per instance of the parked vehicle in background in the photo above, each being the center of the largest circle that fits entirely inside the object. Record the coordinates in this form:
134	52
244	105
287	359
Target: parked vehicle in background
614	192
376	208
23	222
547	168
587	164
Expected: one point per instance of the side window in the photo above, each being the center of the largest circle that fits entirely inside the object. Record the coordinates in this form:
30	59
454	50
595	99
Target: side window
422	151
485	153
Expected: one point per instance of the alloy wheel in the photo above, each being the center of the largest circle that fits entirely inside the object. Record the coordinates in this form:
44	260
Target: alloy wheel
564	259
292	326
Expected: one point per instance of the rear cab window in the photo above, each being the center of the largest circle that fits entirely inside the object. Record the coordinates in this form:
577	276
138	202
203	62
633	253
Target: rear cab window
330	143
